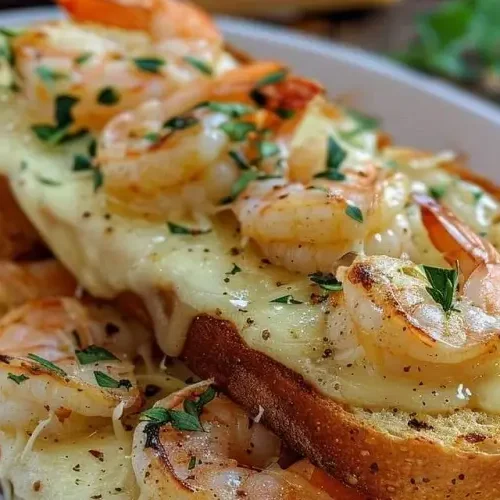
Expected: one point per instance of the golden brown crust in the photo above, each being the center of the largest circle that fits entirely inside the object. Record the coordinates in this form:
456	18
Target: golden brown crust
18	238
379	464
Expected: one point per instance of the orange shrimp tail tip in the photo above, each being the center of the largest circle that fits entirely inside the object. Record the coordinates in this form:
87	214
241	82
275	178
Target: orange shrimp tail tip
454	239
162	19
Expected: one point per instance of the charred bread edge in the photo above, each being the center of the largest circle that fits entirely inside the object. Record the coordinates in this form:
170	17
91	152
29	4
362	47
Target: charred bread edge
377	463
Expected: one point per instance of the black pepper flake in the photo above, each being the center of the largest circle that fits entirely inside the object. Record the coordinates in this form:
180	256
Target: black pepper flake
234	251
327	353
96	496
407	369
111	329
461	477
76	468
374	468
266	334
418	425
86	215
151	390
37	485
97	454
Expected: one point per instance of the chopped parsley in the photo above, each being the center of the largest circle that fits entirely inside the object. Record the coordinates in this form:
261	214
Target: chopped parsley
192	463
149	64
444	283
364	123
180	122
334	159
18	379
235	270
108	96
106	381
187	420
93	354
98	178
47	182
326	281
477	195
240	160
153	137
286	299
232	109
49	76
437	192
81	163
178	229
200	65
238	131
83	58
240	185
8	32
63	115
285	114
354	212
272	78
268	149
47	365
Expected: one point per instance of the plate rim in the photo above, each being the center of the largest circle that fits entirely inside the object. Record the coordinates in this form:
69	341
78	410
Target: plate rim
326	48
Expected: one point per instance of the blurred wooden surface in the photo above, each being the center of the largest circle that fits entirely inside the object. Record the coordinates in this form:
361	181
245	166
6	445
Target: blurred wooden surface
384	29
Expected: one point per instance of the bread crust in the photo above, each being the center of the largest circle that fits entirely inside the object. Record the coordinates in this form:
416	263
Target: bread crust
380	465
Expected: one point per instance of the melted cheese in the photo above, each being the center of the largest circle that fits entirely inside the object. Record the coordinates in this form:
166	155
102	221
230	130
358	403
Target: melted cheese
191	274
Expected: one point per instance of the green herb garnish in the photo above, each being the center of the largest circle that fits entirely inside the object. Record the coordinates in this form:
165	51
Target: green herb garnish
334	158
178	229
153	137
326	281
286	299
18	379
98	178
47	182
437	192
180	122
47	365
232	109
192	463
364	123
354	212
444	283
268	149
200	65
81	163
83	58
108	96
272	78
235	270
238	131
50	76
106	381
149	64
240	160
93	354
285	114
240	185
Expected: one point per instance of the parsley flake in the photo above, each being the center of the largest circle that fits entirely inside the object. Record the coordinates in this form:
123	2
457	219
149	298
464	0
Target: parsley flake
326	281
437	192
444	283
272	78
286	299
98	178
192	463
106	381
83	58
334	159
108	96
49	76
238	131
180	122
18	379
232	109
240	160
200	65
47	365
93	354
268	149
178	229
81	163
240	185
354	212
235	270
149	64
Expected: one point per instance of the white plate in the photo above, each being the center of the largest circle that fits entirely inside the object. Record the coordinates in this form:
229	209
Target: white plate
416	110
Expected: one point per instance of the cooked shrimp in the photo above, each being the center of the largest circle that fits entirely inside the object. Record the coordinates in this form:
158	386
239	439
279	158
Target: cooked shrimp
397	307
58	355
21	282
308	228
133	52
210	448
173	157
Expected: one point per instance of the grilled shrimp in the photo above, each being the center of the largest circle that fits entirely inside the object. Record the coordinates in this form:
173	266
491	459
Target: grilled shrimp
113	56
307	228
183	155
21	282
433	315
60	356
198	445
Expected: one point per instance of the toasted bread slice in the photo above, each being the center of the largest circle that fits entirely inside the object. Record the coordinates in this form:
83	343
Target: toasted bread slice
385	454
18	237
